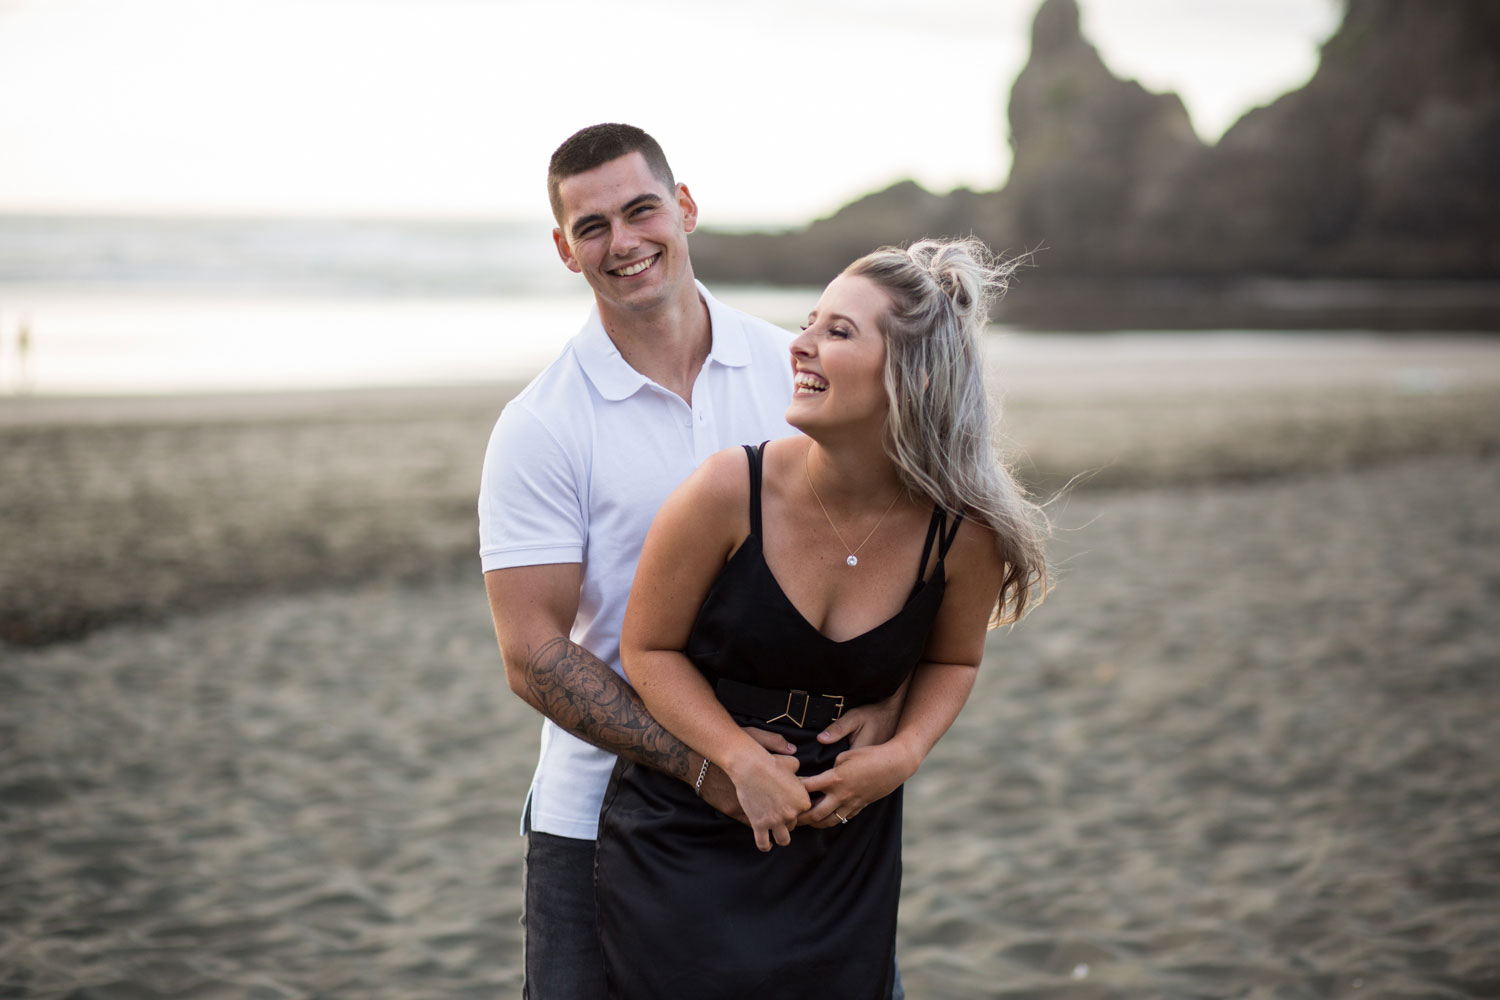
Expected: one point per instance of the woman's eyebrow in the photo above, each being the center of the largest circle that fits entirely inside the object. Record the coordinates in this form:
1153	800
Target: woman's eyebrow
812	317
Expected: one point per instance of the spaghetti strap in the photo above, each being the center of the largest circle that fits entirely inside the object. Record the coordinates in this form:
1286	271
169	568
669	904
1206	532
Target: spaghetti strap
933	527
949	537
756	456
936	529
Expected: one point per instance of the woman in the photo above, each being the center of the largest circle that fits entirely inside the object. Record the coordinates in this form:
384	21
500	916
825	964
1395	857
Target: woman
783	583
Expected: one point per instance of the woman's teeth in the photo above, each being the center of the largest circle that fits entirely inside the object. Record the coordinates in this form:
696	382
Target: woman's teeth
806	382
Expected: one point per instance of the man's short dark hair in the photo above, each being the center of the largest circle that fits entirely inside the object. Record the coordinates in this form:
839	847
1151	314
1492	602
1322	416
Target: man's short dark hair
595	146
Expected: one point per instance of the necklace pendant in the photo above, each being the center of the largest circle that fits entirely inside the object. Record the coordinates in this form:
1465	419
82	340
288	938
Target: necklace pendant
852	560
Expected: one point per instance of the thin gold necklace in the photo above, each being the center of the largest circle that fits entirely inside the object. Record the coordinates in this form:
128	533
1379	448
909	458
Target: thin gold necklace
853	559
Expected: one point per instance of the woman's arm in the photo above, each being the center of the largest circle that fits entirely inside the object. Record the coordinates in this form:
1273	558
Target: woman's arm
939	687
693	535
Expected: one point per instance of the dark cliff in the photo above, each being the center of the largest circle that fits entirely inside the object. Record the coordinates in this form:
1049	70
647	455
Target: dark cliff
1382	167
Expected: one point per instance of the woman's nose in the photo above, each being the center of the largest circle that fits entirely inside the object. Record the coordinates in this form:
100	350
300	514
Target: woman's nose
803	345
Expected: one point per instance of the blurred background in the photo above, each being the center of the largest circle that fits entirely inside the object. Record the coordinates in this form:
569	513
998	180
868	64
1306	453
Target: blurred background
269	271
269	195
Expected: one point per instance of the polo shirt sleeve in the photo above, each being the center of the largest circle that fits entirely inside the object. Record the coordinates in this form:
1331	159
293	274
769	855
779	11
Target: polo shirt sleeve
530	502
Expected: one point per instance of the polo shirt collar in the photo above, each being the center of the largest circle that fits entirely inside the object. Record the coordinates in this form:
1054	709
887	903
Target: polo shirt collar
615	379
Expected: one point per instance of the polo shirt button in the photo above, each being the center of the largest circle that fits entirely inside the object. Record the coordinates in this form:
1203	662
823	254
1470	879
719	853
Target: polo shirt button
700	418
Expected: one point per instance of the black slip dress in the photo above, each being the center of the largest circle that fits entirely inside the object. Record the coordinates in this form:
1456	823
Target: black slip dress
688	907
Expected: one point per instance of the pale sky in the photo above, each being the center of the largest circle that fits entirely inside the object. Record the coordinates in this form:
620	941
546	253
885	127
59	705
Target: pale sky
773	113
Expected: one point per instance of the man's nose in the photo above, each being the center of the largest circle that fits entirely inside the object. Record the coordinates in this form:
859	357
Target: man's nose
623	240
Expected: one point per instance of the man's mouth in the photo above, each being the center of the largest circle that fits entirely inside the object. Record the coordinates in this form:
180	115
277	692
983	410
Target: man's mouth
630	270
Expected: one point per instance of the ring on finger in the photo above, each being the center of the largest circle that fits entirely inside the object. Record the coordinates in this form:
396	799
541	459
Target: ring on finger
840	816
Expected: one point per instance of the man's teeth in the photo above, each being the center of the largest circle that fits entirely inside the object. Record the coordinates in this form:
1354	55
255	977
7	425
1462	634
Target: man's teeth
636	268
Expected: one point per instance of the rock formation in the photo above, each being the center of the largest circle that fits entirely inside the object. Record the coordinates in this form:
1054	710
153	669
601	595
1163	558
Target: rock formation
1092	154
812	256
1383	166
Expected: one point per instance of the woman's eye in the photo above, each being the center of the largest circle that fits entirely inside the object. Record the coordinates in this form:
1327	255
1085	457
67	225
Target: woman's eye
840	332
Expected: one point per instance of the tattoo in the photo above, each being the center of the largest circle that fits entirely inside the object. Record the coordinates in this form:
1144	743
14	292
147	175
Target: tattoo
579	692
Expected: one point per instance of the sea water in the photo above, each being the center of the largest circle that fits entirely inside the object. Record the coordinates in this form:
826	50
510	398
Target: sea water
129	306
149	306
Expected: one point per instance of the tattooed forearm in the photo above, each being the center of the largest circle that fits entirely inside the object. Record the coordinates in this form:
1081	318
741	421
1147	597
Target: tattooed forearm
579	692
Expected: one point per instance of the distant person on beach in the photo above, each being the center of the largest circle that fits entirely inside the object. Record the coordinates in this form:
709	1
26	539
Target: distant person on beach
783	583
661	376
23	357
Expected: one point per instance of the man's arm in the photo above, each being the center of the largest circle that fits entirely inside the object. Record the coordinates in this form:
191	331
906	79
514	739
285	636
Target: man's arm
533	608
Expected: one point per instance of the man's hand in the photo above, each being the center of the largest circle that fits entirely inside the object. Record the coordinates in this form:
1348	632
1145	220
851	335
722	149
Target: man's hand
770	794
718	791
869	724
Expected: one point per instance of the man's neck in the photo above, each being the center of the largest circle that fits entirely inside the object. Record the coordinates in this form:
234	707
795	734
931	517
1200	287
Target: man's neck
669	344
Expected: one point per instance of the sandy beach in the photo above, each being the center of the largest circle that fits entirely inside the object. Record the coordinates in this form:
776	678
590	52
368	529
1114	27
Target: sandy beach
255	742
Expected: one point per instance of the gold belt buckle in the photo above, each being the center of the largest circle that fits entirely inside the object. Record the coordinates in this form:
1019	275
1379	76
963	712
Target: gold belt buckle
794	720
800	719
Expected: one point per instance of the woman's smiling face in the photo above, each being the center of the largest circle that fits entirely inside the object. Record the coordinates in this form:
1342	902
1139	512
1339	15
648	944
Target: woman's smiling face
838	360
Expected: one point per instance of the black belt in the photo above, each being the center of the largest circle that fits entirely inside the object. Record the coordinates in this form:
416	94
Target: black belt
809	711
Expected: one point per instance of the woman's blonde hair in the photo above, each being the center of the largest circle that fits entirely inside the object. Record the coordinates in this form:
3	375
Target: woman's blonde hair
939	429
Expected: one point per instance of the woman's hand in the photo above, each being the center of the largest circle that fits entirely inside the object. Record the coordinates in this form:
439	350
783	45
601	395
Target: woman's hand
857	778
770	795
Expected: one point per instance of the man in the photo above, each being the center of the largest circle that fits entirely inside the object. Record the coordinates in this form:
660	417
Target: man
660	377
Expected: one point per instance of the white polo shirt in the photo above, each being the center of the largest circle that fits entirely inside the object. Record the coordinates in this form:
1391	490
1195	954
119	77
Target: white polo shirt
576	468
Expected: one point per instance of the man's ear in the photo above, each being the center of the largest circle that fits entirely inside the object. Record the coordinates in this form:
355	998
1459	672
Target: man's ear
689	208
565	252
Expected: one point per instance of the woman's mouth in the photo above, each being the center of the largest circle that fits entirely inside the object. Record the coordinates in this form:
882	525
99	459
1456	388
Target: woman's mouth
806	383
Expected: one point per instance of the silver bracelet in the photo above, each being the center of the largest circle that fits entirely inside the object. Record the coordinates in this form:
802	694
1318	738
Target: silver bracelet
698	785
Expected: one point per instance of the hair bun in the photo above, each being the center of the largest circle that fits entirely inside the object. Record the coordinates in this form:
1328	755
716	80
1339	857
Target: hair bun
956	285
959	277
965	271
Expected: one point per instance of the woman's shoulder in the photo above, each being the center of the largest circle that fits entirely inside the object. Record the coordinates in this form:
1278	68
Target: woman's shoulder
785	454
722	476
713	499
976	550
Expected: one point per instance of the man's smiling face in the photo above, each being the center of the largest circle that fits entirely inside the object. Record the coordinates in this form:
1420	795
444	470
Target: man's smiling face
626	232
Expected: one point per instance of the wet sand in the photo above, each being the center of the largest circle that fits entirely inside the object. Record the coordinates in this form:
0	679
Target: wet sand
1248	747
